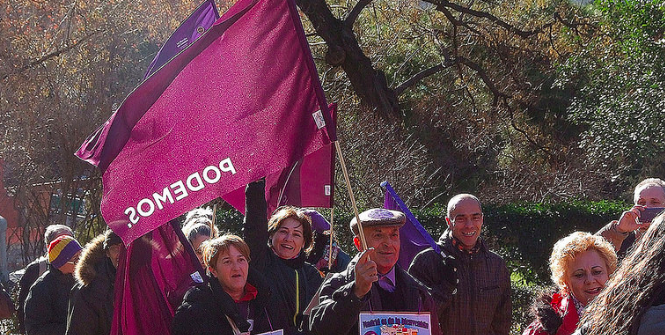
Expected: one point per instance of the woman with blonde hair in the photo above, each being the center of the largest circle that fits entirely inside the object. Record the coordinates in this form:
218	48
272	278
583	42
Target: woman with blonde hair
581	264
634	300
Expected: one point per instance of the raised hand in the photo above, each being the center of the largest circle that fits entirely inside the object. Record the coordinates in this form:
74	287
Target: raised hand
629	220
365	272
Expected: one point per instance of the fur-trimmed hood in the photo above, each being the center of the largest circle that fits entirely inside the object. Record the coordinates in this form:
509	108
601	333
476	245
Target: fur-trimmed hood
93	255
554	313
543	311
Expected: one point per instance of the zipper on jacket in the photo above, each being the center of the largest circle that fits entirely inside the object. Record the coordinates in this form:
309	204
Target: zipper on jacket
295	316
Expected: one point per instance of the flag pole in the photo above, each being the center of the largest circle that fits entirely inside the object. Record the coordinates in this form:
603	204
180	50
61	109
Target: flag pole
361	233
332	210
212	222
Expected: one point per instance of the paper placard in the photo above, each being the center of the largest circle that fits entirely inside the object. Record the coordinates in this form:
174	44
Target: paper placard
394	323
318	118
274	332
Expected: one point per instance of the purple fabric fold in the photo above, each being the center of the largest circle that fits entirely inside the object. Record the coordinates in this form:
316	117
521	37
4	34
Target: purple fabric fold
154	273
413	236
307	183
189	31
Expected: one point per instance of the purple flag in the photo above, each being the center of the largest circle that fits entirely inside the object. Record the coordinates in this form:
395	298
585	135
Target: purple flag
413	237
242	102
188	32
153	275
307	183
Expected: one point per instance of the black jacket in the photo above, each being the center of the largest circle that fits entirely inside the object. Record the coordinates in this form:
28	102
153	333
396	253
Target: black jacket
205	308
288	300
91	303
483	291
338	310
46	304
32	272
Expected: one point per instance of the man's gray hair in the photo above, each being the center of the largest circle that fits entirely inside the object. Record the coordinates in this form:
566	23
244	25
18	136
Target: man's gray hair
53	231
647	183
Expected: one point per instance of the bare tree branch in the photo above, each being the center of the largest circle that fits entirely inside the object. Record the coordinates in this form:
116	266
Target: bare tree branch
533	142
522	33
353	15
52	55
344	50
483	75
418	77
456	23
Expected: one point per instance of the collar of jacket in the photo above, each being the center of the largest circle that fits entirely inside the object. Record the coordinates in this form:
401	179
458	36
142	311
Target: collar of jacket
228	305
294	263
446	242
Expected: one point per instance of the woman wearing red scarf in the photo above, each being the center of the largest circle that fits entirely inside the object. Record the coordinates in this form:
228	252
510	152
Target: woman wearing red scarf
234	299
581	264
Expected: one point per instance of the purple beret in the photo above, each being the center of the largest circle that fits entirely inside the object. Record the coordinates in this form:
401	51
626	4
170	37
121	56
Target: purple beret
319	223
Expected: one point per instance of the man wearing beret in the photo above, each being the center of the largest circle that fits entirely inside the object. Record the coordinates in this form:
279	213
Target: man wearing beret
373	281
478	303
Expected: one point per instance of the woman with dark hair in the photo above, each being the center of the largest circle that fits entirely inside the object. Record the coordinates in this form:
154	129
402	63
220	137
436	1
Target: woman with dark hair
278	248
581	264
234	299
198	228
634	300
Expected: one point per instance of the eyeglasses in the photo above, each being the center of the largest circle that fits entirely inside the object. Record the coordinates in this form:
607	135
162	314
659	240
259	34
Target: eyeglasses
73	260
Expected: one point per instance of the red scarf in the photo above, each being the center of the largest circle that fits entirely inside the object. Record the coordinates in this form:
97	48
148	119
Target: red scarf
250	293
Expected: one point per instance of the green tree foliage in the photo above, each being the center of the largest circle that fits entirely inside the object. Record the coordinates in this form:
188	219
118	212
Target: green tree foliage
621	98
64	67
436	96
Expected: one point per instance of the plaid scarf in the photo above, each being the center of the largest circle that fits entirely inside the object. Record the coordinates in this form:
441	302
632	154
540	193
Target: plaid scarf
460	246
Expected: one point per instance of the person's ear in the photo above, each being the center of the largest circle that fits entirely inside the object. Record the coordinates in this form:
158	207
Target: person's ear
212	271
356	242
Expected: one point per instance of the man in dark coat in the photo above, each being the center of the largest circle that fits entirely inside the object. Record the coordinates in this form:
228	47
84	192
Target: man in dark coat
373	281
479	302
35	269
46	304
91	304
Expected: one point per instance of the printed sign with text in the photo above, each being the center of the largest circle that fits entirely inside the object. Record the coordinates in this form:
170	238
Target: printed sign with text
394	323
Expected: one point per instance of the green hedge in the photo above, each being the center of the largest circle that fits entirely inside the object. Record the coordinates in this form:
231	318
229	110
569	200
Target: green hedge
522	233
525	234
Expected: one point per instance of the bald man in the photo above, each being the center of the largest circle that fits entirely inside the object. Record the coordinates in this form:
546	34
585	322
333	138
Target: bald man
470	283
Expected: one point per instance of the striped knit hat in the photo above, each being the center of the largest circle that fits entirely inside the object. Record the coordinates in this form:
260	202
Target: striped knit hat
61	250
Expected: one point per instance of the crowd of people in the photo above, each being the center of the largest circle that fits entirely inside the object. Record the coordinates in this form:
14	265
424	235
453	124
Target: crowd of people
287	273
